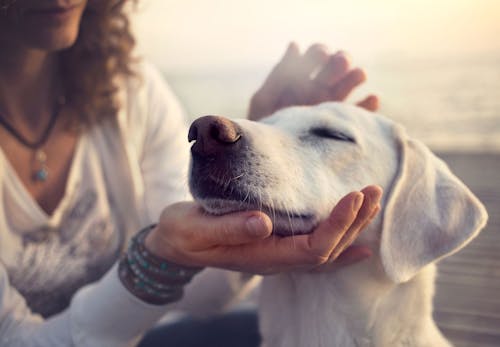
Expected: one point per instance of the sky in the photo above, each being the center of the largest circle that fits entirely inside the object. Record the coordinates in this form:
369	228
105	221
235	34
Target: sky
186	34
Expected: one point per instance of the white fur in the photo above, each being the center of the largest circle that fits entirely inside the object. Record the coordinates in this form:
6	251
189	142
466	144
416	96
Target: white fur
427	213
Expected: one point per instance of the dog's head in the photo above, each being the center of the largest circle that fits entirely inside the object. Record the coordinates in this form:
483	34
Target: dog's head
296	164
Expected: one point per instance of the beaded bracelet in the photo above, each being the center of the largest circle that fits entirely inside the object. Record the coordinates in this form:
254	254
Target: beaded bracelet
151	278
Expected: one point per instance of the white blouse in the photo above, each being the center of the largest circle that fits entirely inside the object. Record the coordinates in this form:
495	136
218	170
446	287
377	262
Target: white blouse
122	175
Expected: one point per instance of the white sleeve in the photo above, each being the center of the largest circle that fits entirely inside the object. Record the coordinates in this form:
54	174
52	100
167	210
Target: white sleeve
164	158
16	320
103	314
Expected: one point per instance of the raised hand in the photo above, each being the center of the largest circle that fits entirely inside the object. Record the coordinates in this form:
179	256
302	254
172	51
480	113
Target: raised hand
307	79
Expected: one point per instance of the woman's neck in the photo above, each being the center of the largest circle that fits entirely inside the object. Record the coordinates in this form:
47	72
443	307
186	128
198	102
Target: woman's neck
28	78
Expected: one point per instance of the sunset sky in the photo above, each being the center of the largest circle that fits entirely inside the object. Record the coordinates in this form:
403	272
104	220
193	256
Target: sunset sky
222	33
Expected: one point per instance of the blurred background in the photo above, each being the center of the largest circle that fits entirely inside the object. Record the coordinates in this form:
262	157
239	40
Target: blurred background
434	63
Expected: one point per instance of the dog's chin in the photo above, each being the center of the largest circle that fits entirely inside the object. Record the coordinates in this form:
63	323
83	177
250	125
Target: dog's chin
284	223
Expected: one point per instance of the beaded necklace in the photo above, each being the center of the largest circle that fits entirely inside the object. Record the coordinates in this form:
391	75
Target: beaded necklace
40	170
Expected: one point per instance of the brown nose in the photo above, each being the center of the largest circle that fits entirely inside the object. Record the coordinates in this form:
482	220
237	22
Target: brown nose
213	135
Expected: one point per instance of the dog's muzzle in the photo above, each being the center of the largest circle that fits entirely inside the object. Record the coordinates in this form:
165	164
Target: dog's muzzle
220	155
226	177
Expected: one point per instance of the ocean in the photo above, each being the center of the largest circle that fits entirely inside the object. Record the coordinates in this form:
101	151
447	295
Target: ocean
451	106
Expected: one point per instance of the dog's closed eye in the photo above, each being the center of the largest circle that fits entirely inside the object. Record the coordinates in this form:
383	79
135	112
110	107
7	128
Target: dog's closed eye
331	134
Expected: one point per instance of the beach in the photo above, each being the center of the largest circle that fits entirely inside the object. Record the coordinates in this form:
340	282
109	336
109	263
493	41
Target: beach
467	301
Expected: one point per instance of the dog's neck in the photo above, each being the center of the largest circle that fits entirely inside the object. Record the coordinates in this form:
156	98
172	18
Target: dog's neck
355	306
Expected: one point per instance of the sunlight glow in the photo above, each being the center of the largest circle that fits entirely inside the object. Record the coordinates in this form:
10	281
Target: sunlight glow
187	33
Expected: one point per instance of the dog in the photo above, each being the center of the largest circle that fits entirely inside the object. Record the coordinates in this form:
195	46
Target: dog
295	165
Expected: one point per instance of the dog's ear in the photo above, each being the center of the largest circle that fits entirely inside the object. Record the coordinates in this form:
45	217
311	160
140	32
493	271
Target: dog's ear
429	213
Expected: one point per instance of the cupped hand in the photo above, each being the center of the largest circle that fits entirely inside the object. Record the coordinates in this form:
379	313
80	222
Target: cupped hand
308	79
243	241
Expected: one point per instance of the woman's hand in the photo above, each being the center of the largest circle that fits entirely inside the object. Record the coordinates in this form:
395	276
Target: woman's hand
242	241
290	82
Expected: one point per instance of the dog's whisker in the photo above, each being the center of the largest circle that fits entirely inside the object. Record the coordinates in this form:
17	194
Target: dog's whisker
236	177
246	198
227	184
260	199
273	210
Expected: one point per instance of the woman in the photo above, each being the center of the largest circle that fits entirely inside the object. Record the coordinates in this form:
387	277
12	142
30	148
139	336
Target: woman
93	149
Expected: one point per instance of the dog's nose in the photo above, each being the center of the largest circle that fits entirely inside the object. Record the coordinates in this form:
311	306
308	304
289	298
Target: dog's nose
213	135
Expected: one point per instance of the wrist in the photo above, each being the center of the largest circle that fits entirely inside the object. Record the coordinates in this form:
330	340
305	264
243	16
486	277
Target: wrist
152	278
153	242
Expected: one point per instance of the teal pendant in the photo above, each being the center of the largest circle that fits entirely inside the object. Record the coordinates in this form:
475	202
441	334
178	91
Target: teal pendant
41	175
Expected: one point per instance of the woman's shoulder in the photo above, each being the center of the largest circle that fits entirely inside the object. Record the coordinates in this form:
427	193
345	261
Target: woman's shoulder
148	89
148	102
153	80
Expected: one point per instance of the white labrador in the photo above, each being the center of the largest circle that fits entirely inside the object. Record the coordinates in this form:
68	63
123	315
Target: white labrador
296	165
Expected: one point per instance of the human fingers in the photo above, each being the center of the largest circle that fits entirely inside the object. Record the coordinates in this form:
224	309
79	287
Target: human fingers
370	103
315	56
185	230
346	85
297	82
344	253
366	213
232	229
298	252
295	85
330	232
277	254
279	76
267	98
206	230
352	234
351	255
333	70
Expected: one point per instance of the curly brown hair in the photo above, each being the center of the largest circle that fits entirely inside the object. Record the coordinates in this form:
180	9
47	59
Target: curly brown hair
101	55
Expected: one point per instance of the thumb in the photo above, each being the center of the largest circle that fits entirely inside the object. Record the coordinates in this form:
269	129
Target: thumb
234	228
